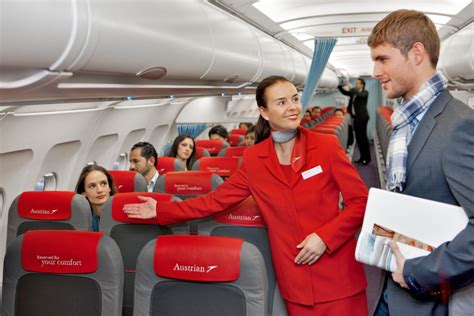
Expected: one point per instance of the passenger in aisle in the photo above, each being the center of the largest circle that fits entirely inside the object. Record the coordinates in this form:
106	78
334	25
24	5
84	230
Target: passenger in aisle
357	108
430	155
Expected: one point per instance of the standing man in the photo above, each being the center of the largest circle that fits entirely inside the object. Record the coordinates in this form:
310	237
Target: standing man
357	108
143	157
430	155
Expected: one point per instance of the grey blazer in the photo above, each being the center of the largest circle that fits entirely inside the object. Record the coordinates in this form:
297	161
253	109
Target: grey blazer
440	168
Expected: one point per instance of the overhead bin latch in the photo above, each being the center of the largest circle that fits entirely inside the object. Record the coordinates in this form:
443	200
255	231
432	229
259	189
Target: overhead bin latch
152	73
231	79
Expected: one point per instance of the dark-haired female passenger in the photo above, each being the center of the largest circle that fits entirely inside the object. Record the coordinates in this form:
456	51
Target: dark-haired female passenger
97	185
184	149
295	177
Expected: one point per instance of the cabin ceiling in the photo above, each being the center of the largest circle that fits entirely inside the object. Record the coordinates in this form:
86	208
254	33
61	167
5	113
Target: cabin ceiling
299	22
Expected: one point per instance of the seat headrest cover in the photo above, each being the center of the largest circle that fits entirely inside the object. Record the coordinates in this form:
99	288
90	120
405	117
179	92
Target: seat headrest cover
124	180
234	151
165	164
223	166
47	205
120	199
188	182
238	131
198	258
59	251
213	146
245	213
201	152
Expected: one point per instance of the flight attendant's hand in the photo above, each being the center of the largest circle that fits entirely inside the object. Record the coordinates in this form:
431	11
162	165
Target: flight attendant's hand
397	276
312	247
141	210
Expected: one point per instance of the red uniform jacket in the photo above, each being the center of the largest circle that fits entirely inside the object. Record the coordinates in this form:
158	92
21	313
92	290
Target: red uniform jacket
294	209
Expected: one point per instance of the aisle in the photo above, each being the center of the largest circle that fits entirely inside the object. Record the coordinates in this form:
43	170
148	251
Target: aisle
368	172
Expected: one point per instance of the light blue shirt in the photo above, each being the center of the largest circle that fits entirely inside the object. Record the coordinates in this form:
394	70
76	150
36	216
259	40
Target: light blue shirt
152	182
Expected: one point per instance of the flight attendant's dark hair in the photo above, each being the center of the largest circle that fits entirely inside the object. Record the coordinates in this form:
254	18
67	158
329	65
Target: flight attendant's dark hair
262	129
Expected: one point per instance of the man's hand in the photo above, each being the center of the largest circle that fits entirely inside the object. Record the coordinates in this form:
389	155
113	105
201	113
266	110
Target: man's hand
397	276
141	210
312	247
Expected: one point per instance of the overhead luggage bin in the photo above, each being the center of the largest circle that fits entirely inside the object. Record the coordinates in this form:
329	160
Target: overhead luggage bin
132	37
273	58
235	55
459	70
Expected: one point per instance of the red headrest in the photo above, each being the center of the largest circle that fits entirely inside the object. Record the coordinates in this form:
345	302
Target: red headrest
213	146
120	199
124	180
47	205
245	213
223	166
238	131
327	109
201	152
60	251
165	164
198	258
234	139
188	182
235	151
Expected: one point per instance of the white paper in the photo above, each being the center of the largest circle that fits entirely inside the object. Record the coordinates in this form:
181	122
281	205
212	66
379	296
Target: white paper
427	221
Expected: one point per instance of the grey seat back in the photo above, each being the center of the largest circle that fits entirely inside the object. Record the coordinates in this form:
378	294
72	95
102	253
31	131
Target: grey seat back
244	221
72	273
48	210
131	235
200	275
187	184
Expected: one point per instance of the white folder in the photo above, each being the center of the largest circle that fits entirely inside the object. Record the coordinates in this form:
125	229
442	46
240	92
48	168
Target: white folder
430	222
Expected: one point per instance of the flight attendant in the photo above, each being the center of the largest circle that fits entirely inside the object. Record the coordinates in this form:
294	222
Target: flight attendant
295	176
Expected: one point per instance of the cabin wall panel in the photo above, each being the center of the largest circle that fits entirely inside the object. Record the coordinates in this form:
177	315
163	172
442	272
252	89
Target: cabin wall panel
103	151
61	159
14	170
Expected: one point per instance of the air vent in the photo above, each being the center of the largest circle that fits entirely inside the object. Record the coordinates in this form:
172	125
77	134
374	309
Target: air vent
231	79
153	73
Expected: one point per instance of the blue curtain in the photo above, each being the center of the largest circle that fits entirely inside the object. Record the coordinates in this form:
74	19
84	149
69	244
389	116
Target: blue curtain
322	50
191	129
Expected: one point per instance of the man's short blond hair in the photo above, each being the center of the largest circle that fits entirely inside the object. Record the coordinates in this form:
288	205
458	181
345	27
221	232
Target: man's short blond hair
402	29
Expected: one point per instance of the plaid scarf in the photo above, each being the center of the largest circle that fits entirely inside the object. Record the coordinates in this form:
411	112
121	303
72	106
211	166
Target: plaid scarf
402	117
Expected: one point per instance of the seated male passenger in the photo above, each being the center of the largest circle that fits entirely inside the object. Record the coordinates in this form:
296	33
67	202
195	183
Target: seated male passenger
218	132
338	113
97	185
142	160
316	112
